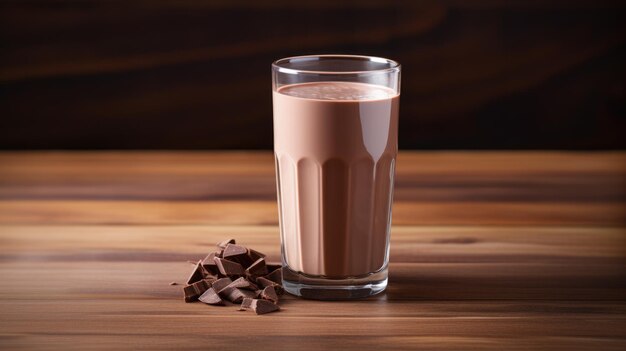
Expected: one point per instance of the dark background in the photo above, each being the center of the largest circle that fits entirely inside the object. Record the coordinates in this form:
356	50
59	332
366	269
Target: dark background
501	74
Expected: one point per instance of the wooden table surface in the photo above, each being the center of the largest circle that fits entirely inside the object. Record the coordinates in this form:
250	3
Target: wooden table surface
489	250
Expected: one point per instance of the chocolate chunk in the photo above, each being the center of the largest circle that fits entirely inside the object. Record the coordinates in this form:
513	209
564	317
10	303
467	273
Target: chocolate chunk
233	295
276	276
227	267
248	293
210	280
263	306
210	297
209	264
258	306
264	282
237	253
220	284
214	272
273	266
193	291
237	274
255	255
209	261
223	244
232	250
198	273
269	293
258	268
252	286
243	283
246	304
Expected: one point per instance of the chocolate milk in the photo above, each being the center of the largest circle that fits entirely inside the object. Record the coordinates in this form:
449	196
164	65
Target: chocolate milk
335	145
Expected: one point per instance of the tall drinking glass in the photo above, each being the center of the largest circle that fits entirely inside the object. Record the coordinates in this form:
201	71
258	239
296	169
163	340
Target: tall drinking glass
335	144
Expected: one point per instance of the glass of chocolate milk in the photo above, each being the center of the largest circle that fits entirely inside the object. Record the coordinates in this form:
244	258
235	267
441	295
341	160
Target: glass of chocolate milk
335	143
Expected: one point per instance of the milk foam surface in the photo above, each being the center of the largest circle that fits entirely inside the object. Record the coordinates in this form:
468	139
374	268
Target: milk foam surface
338	91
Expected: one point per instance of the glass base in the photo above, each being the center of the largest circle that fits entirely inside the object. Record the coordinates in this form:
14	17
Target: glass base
324	288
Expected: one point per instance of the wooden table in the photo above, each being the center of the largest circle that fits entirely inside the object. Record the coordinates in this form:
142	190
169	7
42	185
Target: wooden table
490	250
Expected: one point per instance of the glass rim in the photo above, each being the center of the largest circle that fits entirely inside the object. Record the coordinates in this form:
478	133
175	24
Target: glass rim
394	66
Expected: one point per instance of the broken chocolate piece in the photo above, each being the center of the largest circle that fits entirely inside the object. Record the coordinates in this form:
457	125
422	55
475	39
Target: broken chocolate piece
276	276
264	282
273	266
237	274
198	273
243	283
233	295
269	293
232	250
258	306
220	284
237	253
258	268
246	304
227	267
263	306
210	297
193	291
209	264
248	293
252	286
255	255
208	261
210	280
223	244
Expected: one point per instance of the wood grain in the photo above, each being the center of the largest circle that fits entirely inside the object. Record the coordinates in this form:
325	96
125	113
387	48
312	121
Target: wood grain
476	263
